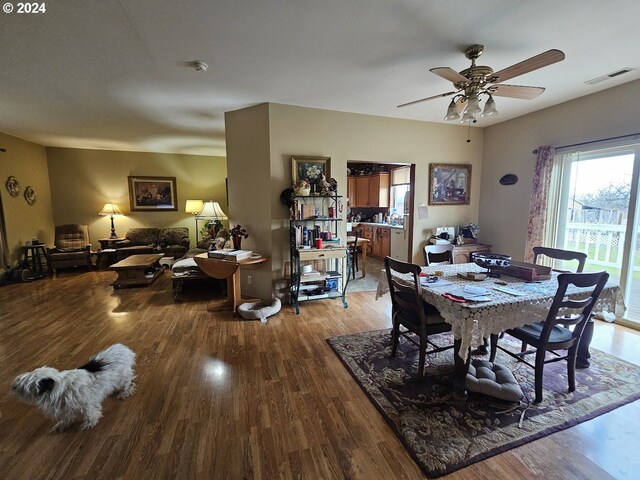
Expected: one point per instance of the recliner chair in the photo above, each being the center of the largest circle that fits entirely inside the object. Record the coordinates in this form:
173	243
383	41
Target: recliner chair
72	247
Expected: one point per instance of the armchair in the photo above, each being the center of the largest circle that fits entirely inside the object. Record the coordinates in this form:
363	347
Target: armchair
72	247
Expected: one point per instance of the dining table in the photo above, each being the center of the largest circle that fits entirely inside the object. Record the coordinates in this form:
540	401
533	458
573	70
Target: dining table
508	302
363	243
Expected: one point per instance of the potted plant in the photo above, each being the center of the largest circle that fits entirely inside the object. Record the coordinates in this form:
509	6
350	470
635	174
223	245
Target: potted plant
237	234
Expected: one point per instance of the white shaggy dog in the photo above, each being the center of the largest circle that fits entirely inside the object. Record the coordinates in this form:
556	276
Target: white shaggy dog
74	395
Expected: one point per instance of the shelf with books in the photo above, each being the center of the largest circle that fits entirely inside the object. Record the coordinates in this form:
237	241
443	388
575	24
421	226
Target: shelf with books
314	241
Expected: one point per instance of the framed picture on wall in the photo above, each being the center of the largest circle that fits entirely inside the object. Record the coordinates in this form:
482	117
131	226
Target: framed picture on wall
153	194
449	184
310	169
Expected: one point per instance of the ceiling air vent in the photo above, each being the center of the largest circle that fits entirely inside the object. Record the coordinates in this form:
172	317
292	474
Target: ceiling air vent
617	73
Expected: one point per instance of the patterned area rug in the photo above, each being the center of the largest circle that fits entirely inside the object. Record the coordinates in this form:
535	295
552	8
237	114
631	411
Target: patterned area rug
444	435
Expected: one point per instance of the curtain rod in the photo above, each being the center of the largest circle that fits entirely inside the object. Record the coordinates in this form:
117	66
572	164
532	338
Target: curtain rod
631	135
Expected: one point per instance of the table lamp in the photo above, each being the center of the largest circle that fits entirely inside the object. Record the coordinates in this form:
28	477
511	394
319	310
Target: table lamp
193	207
111	209
211	211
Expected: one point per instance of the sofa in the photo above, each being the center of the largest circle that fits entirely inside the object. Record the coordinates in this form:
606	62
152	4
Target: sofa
172	242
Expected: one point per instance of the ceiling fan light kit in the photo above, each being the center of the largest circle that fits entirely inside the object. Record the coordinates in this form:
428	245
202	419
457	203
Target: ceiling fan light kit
478	80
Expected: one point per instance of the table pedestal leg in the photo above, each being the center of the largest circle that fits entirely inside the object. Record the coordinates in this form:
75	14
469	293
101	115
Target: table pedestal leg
460	373
583	355
234	296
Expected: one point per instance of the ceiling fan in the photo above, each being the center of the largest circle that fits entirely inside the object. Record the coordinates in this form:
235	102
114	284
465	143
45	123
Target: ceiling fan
478	80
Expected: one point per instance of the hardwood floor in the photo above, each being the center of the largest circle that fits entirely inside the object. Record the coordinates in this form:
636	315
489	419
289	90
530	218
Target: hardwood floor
222	398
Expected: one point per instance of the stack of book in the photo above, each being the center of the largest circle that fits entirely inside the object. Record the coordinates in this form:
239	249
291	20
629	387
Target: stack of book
235	255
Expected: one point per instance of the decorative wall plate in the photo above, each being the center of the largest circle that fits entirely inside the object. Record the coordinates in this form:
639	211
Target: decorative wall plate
509	179
30	195
13	186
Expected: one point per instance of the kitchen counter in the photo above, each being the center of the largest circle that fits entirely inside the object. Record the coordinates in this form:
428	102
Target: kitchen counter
373	224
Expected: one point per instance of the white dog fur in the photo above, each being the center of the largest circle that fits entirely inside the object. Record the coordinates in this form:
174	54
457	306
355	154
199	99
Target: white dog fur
76	395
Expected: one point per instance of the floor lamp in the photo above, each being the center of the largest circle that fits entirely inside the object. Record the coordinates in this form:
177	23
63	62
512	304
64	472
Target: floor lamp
193	207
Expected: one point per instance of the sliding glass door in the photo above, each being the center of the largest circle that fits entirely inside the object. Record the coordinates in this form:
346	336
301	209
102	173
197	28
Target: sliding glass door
597	215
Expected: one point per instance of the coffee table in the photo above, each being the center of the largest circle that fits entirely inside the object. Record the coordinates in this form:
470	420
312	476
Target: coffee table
131	270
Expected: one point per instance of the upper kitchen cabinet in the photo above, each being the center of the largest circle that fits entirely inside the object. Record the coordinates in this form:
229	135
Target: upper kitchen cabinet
369	190
351	191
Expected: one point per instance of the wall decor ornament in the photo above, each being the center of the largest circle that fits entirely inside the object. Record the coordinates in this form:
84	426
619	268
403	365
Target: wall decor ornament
509	179
153	194
449	184
13	186
30	195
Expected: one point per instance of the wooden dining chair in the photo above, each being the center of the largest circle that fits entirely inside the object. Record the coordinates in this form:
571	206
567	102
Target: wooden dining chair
440	253
353	250
559	254
410	311
552	334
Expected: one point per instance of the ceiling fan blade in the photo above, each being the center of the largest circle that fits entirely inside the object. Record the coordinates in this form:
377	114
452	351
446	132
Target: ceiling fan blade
428	98
542	60
449	74
516	91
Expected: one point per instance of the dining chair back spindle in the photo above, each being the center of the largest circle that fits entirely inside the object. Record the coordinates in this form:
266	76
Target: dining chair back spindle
356	233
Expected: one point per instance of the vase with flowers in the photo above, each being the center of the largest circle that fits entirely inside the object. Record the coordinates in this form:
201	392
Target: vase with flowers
237	234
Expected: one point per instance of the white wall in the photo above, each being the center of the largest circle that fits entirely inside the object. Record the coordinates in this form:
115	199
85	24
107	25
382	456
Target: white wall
508	148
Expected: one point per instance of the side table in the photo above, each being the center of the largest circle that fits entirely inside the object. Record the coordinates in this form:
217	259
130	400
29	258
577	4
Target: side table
107	252
109	242
35	256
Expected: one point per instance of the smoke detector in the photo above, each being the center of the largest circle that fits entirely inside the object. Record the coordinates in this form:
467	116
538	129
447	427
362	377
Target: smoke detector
200	66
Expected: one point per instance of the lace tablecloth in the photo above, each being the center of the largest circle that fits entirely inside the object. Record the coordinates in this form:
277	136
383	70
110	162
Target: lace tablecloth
473	321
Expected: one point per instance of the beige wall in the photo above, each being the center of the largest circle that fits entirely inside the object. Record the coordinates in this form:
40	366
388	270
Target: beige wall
508	148
82	181
292	130
28	163
251	190
348	136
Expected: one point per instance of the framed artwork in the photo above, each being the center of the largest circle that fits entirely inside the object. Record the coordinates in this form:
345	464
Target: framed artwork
153	194
449	184
310	169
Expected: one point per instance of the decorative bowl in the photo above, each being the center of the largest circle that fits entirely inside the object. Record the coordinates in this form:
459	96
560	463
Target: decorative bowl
492	260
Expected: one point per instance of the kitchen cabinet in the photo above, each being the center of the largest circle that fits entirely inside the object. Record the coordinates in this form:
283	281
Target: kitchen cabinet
381	244
462	253
369	190
368	233
362	191
351	191
379	190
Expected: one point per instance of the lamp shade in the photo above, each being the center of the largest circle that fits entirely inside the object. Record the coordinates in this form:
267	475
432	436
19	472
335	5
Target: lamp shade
211	211
473	106
110	209
452	111
489	108
193	206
